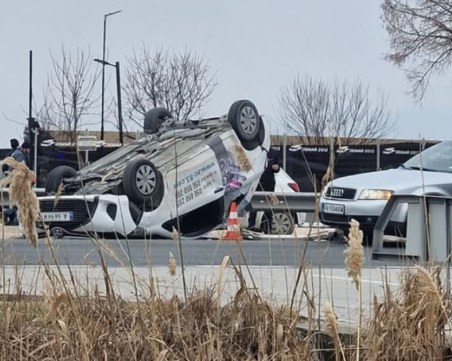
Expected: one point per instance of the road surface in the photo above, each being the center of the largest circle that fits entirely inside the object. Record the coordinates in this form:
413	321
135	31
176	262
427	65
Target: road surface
83	251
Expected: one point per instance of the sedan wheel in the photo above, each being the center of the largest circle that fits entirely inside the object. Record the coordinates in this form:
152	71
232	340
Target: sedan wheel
282	224
154	119
57	232
247	124
248	121
146	180
56	176
143	184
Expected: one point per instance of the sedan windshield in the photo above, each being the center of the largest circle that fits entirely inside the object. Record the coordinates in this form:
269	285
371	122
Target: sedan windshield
437	158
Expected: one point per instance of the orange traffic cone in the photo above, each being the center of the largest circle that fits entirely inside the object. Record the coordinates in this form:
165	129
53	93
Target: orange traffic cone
233	230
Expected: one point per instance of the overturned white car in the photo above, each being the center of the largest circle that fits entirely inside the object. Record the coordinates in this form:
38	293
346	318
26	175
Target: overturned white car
180	175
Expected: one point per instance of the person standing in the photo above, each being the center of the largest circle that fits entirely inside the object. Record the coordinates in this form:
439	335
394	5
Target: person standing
267	183
16	153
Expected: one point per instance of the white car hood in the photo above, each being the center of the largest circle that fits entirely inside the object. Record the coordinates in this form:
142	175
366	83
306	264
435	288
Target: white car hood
404	181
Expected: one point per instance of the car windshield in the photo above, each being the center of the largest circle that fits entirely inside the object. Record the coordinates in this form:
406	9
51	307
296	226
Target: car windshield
437	158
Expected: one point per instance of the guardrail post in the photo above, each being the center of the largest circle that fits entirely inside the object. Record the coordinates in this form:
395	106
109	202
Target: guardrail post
429	231
415	238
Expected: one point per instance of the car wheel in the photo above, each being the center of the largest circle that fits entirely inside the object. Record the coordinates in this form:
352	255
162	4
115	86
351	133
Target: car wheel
154	118
55	177
246	122
143	183
57	232
337	236
283	223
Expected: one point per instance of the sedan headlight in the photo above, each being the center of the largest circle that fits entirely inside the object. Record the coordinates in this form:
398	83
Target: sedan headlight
375	194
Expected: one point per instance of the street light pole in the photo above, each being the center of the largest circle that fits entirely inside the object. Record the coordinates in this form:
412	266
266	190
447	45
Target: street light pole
103	72
118	92
30	118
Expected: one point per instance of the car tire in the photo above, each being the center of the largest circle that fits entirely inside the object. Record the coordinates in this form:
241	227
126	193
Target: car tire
283	223
143	184
57	232
55	177
154	119
339	235
246	122
252	144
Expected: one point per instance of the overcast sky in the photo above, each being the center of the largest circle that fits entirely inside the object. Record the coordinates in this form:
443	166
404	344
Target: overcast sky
255	47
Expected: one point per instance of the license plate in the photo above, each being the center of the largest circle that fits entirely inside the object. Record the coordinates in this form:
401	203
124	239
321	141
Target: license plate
333	208
57	216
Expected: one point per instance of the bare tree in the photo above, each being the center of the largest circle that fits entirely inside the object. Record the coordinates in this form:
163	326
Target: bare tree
69	97
420	38
316	110
182	83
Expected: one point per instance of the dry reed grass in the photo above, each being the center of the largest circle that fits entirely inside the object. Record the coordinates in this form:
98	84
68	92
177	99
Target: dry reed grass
409	324
85	325
354	253
273	199
172	265
331	324
91	327
20	181
327	176
354	259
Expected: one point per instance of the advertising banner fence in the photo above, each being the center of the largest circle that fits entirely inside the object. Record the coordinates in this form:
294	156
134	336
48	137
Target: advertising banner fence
306	164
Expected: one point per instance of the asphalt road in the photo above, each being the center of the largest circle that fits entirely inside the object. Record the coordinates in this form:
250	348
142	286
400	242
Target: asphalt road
83	251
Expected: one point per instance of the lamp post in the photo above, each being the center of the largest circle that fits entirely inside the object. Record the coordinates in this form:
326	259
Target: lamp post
118	92
103	72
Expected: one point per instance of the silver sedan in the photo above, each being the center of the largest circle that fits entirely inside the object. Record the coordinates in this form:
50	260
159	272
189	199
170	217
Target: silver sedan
363	196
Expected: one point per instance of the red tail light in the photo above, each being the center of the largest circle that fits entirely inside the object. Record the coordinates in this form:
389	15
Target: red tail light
294	186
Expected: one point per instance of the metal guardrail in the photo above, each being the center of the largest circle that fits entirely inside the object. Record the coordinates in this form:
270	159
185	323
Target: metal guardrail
429	229
296	202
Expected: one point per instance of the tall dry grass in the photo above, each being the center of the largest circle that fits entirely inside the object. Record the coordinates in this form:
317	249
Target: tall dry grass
69	322
88	327
354	260
410	324
354	253
21	194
